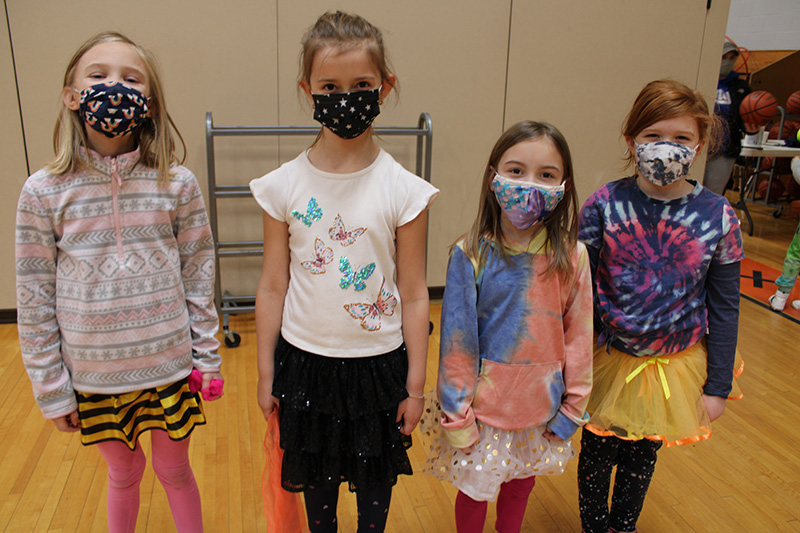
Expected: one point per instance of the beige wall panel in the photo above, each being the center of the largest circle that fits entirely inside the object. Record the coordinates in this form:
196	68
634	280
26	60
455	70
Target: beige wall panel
12	154
579	65
710	58
576	64
450	57
214	56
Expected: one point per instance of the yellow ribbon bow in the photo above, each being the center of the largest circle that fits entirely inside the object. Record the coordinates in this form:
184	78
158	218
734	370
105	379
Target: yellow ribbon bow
658	361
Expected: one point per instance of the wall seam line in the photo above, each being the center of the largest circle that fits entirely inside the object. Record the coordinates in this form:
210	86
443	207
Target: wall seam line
508	63
16	87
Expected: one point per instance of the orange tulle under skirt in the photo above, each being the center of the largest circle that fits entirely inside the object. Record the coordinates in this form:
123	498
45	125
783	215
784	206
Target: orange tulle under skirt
657	398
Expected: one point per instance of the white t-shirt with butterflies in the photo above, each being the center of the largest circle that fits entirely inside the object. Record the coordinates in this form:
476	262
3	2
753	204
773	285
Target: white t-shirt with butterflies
342	299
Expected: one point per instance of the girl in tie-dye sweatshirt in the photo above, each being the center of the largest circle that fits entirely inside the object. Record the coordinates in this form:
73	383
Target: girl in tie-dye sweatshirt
515	361
665	254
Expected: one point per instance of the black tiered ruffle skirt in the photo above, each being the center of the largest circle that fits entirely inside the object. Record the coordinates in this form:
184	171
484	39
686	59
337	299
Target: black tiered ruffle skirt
338	418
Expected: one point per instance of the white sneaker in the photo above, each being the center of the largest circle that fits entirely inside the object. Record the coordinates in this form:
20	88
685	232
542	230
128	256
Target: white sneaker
778	300
796	304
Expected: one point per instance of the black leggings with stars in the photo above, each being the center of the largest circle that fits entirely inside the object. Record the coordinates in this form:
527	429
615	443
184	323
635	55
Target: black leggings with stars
635	461
373	509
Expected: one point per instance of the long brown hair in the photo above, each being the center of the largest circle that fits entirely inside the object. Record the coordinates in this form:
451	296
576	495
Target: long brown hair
665	99
561	225
154	137
345	32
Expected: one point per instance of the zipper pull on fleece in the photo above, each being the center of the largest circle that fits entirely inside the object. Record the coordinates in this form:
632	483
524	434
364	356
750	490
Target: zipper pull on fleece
115	172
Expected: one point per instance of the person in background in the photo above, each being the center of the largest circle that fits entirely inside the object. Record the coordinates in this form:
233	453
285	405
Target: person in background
791	264
731	90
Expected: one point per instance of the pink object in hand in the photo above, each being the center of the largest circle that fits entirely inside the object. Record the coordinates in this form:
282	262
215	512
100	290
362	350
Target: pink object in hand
212	392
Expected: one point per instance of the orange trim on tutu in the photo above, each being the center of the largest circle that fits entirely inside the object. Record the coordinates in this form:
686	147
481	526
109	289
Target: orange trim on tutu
688	440
738	368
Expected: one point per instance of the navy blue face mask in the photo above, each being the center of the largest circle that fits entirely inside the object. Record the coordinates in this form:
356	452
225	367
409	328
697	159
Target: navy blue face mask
113	109
348	115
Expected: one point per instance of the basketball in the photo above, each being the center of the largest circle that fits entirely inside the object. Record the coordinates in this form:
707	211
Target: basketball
793	103
758	108
789	130
775	192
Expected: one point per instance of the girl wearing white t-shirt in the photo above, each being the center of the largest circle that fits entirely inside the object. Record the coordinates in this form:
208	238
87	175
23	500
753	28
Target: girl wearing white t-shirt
342	304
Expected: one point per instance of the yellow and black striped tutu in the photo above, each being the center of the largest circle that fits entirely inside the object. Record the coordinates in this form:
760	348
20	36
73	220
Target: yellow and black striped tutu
123	417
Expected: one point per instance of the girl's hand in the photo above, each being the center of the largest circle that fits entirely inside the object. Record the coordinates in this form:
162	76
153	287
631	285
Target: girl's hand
68	423
468	450
209	385
208	376
410	411
550	435
715	406
266	401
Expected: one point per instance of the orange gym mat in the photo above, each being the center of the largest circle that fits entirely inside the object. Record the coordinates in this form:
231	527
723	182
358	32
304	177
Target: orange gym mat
758	284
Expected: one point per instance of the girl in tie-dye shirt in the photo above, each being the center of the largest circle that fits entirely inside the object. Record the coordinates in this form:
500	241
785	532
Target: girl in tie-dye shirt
515	360
665	255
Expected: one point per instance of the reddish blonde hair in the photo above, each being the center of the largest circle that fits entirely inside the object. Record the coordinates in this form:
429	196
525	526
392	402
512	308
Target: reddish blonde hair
666	99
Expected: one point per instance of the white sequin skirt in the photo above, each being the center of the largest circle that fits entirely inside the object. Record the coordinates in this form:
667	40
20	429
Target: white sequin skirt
498	456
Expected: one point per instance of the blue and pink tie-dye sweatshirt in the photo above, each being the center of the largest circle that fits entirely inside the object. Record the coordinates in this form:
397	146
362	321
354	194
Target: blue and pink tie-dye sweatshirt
516	345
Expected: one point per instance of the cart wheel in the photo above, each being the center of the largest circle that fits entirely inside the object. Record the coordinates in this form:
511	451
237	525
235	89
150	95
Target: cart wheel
777	213
430	328
232	339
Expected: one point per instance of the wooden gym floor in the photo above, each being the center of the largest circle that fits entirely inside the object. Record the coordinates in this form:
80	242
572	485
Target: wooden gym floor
745	478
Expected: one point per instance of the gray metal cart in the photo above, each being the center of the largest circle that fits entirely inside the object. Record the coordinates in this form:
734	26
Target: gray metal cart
228	304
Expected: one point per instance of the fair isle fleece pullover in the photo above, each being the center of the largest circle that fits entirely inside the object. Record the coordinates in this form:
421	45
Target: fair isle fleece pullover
115	280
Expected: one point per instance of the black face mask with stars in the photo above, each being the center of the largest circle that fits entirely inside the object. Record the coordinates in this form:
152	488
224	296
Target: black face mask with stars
348	115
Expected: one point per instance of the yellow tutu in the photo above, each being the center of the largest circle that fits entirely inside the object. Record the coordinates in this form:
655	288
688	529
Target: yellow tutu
658	398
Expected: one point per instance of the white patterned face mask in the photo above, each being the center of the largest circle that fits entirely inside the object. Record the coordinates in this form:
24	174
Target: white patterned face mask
664	162
524	203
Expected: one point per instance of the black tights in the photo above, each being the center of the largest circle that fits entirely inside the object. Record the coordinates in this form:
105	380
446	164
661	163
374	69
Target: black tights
635	461
373	509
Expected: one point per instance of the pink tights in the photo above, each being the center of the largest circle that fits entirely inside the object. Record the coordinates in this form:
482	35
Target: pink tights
511	504
171	465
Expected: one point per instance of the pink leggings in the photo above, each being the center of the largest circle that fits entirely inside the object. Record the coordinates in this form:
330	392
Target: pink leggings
171	465
511	504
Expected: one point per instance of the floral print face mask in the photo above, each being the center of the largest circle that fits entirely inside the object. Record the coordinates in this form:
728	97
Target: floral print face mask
524	203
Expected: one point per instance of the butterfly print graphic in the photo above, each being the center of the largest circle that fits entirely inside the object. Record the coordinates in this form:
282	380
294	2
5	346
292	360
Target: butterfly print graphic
312	214
344	236
322	256
370	314
357	277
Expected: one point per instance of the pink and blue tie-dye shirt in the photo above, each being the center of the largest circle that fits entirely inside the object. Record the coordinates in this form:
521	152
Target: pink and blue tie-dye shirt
516	344
651	260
